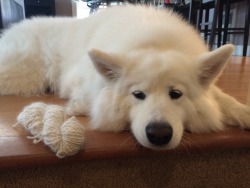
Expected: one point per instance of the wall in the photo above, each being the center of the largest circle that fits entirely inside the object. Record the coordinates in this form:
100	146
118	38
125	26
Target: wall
63	7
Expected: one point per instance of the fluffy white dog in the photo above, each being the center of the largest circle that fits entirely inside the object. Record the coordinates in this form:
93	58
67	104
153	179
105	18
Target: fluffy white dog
125	66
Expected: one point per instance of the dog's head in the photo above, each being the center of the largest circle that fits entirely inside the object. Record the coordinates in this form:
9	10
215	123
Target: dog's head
163	93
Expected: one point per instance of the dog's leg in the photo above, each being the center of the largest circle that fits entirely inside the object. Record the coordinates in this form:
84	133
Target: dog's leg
79	97
210	66
77	108
234	113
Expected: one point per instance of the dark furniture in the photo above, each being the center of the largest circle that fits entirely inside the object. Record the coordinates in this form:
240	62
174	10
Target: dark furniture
42	7
94	5
219	23
227	30
16	10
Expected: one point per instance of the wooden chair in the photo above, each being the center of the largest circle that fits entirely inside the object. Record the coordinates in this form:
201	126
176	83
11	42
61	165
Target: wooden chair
217	27
195	17
229	30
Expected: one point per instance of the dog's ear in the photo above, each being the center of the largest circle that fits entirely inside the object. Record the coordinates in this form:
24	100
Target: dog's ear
106	64
212	63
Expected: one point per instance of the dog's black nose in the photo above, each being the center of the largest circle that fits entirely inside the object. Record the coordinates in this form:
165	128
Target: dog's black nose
159	133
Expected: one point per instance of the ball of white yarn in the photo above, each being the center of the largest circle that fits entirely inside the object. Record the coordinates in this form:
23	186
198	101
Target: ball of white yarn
53	119
66	139
47	123
32	119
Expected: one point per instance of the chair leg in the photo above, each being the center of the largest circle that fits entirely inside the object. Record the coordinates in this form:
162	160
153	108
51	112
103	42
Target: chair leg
220	16
200	16
247	25
206	21
227	15
193	7
217	4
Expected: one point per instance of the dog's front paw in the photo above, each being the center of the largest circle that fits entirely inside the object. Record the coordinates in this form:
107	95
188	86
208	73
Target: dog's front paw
245	119
76	108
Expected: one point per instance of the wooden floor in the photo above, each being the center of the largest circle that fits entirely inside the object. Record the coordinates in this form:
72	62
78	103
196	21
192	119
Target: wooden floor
18	151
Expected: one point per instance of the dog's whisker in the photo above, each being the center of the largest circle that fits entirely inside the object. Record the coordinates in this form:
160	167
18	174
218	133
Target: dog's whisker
185	144
189	143
137	146
126	139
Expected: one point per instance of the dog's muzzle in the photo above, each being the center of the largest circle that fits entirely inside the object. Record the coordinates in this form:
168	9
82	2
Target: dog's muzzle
159	133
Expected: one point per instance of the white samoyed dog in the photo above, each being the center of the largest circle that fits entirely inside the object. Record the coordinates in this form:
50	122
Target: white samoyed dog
128	66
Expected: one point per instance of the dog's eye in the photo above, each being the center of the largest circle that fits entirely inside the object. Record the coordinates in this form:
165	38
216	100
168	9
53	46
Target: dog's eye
139	95
175	94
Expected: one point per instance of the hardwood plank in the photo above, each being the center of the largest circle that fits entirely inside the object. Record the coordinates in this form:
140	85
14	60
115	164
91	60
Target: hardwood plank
18	151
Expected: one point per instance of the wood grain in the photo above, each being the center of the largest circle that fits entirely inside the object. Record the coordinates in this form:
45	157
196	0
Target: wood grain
17	151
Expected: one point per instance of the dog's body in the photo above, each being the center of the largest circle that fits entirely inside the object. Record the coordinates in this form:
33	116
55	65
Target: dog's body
153	72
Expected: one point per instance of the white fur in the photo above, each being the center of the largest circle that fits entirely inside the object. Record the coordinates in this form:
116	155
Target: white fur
97	63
